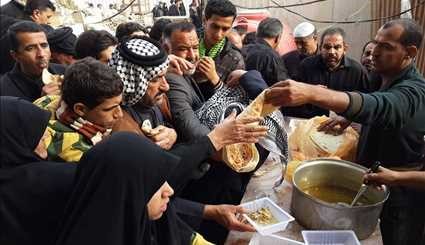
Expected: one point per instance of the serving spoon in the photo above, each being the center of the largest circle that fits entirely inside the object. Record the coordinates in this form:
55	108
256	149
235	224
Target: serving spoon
364	186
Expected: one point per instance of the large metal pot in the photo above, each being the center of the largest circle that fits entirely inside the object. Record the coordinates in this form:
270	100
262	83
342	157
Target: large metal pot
316	214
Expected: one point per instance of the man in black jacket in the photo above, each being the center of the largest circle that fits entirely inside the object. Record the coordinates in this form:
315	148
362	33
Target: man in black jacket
262	55
38	11
332	69
225	185
30	49
185	97
393	122
305	36
14	9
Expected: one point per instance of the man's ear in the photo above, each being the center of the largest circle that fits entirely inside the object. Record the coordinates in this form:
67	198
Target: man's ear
277	40
166	45
14	55
412	51
35	15
346	46
80	109
204	21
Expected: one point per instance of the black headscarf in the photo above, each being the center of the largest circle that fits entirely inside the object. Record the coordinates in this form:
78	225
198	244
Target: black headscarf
115	180
62	40
33	198
22	126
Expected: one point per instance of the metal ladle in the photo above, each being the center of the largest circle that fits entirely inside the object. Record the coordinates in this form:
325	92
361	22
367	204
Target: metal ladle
364	186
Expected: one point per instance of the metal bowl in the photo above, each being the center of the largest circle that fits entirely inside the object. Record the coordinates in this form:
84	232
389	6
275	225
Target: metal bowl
313	213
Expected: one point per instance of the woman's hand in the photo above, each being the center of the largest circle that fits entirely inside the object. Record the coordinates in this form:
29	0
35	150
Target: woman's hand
227	216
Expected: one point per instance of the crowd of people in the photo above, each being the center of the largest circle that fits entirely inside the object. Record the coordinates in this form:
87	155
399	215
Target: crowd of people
176	8
124	146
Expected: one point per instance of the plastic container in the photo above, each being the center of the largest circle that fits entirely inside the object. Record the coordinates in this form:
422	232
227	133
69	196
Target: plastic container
281	216
343	237
258	239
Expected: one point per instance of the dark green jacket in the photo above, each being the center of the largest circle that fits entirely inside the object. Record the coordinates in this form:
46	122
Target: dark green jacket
393	120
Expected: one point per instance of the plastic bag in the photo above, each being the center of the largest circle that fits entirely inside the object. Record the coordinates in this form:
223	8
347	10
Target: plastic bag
307	143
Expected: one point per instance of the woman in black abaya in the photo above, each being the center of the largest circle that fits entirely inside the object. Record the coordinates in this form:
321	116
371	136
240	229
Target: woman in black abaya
33	192
114	200
117	197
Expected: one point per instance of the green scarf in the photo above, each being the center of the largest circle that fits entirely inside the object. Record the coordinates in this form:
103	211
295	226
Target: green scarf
214	51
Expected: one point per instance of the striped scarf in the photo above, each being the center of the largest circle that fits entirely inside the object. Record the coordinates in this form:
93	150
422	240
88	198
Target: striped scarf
214	51
93	132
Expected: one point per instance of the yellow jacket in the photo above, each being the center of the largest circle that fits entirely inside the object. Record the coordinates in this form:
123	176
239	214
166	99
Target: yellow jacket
63	142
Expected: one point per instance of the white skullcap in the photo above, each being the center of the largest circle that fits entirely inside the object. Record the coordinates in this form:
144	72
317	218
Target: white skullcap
304	29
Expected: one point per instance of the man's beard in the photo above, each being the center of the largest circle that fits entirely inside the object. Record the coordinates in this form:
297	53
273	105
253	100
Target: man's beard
158	99
148	102
333	62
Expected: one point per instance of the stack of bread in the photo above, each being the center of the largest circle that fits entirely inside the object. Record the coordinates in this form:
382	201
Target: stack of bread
306	143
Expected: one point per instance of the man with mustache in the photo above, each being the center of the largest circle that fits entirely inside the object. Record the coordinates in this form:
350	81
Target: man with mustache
305	35
367	62
393	122
142	64
150	108
30	50
367	58
180	39
38	11
332	69
186	100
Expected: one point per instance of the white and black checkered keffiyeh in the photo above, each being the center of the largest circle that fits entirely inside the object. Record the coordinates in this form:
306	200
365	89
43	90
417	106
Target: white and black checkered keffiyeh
138	61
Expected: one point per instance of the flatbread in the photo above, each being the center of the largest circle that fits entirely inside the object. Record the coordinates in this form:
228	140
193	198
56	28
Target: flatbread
326	142
258	108
146	127
240	154
241	157
245	157
48	77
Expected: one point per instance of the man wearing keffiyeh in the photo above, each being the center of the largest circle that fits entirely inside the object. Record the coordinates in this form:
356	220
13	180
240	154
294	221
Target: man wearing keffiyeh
142	63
